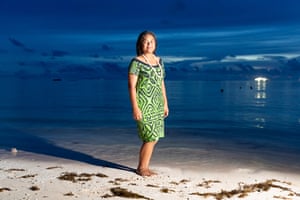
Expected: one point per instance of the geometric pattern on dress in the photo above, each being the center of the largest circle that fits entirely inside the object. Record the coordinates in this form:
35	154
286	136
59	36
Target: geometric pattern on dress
150	99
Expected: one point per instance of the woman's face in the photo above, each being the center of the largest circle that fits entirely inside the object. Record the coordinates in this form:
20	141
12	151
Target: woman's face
148	44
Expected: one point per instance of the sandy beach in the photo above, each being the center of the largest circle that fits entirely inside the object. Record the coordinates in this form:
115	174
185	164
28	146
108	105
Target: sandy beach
25	175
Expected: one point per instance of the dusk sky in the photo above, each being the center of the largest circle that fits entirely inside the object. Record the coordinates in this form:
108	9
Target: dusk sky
96	15
39	34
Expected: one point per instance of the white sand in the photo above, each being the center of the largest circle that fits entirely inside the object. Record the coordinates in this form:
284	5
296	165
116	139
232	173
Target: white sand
36	177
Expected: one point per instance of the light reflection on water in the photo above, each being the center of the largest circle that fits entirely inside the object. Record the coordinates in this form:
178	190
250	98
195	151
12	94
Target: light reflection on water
260	95
261	87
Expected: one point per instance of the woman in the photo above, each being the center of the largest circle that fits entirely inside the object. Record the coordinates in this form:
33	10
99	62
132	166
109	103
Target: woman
148	97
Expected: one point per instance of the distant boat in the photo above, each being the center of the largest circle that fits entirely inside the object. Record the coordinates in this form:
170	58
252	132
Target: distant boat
56	79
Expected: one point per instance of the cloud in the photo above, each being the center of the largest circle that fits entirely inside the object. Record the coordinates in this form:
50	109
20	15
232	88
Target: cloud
59	53
180	69
19	44
106	47
16	43
294	64
274	66
55	53
238	50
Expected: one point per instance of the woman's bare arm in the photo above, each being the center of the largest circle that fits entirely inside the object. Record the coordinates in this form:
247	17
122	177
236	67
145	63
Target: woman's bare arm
132	81
166	106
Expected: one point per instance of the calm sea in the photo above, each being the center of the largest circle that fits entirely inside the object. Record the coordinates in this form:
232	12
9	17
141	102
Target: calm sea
246	123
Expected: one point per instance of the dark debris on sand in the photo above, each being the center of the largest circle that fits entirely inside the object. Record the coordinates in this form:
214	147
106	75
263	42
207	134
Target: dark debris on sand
54	167
151	185
16	170
5	189
34	188
244	190
118	181
69	194
207	183
183	181
74	177
29	176
166	190
122	192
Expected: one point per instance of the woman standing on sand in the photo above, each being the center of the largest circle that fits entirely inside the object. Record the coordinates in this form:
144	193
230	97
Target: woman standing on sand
148	97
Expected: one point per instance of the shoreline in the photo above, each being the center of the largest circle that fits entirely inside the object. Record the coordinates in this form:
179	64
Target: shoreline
35	176
183	148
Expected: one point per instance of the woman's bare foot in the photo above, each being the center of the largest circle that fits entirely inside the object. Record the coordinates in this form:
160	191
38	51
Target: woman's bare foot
145	172
152	172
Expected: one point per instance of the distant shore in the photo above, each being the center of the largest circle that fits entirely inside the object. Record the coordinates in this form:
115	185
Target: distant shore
27	175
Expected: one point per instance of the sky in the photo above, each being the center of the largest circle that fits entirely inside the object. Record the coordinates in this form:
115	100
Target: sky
81	35
95	14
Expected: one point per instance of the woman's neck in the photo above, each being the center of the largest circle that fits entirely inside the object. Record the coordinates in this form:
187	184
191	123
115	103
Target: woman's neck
150	58
149	55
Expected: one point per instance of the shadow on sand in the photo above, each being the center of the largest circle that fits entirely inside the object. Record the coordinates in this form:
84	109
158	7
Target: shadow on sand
31	143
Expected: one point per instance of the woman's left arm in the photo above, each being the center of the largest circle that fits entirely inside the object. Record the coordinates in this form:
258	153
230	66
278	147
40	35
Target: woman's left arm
164	92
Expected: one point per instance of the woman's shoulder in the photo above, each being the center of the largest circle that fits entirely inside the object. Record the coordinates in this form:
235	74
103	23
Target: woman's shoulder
141	60
159	60
138	59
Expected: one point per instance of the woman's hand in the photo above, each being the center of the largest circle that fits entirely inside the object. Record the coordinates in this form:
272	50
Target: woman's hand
166	111
137	114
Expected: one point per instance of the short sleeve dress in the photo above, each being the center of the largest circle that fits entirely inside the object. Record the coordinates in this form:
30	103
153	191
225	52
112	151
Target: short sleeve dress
149	98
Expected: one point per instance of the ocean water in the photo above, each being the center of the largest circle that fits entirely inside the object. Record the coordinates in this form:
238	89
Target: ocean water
212	124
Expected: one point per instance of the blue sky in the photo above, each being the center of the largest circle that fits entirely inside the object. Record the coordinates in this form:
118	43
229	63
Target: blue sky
60	37
95	14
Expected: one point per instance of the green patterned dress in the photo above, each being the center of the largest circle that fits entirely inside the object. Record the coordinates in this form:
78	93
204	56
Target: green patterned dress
149	98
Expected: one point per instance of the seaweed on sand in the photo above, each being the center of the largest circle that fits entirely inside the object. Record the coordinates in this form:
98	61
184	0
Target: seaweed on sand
183	181
122	192
118	181
29	176
207	183
69	194
166	190
74	177
34	188
54	167
14	169
101	175
246	189
151	185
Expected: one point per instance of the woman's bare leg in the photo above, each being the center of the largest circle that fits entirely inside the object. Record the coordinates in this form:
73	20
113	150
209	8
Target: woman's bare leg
145	157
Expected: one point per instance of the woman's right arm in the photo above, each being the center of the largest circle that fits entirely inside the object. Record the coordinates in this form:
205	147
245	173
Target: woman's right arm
132	82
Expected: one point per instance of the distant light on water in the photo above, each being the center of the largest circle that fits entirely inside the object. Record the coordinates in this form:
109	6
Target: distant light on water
261	85
260	122
260	78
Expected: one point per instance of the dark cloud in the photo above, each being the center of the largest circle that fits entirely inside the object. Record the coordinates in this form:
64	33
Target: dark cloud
294	65
19	44
59	53
106	47
16	43
29	50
